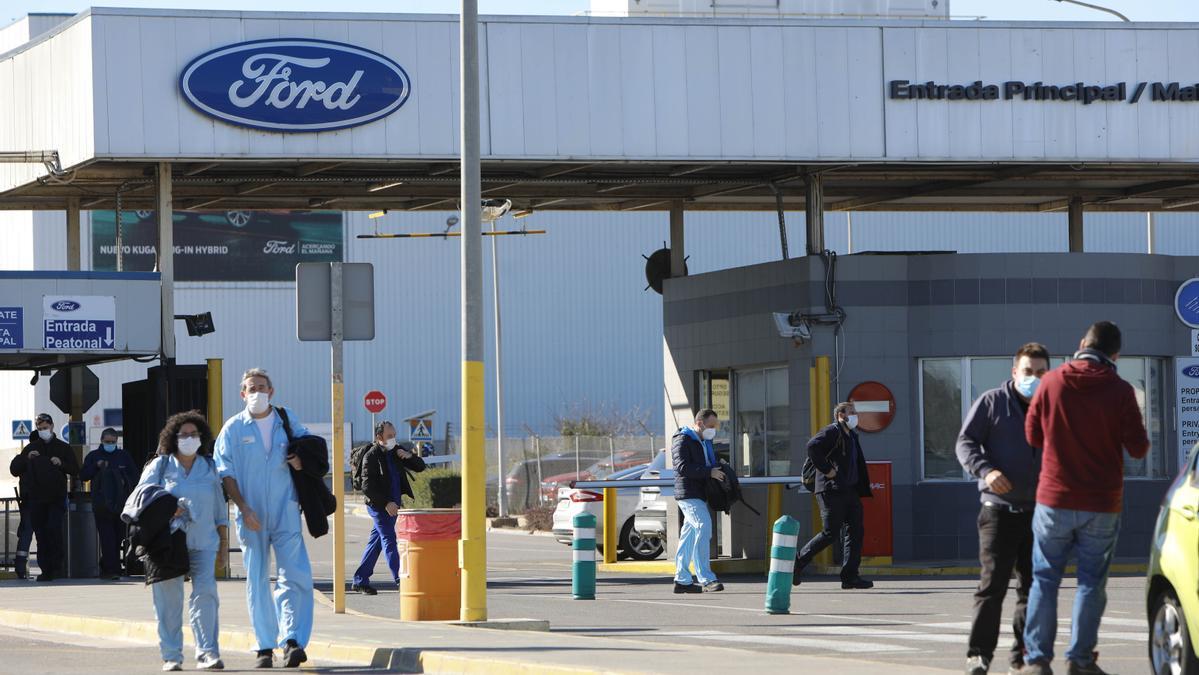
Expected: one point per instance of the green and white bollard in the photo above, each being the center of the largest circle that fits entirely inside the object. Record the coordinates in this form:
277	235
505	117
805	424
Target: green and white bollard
582	584
782	565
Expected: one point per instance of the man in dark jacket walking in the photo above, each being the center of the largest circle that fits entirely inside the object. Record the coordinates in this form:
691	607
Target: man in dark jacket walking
694	463
113	476
841	482
1083	417
992	448
385	467
43	467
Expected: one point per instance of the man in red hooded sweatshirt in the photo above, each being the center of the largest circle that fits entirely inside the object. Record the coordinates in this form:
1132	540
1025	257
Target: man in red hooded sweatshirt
1083	417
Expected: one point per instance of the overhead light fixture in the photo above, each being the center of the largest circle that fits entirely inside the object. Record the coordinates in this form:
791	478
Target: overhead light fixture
383	186
377	214
523	213
494	209
198	325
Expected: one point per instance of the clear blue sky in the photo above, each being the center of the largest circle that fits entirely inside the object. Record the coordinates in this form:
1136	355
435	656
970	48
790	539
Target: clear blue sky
1041	10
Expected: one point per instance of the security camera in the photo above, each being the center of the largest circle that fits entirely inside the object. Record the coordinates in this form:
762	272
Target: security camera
792	325
494	209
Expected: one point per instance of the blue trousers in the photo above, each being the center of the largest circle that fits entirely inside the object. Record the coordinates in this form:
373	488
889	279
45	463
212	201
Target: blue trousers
1056	534
695	543
287	613
202	609
382	539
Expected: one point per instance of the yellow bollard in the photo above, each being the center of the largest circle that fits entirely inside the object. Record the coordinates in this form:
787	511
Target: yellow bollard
611	528
216	419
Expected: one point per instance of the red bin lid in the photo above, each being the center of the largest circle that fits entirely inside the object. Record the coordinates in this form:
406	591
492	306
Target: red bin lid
428	524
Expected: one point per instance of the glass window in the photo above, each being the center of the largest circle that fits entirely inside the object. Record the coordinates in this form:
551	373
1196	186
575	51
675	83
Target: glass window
944	380
761	429
941	408
778	427
714	394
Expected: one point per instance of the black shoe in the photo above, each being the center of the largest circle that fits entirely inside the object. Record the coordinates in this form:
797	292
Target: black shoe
797	575
857	582
46	576
266	659
687	588
22	567
365	589
293	655
713	587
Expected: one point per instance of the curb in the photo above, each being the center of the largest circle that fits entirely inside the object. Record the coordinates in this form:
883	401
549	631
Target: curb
661	567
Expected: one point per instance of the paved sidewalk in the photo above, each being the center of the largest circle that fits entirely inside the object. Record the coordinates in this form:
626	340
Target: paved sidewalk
124	610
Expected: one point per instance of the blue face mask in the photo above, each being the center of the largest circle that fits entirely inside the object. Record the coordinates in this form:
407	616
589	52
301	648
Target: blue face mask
109	447
1027	385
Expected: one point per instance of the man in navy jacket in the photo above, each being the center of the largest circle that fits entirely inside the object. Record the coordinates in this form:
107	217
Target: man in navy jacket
991	447
694	463
113	475
841	482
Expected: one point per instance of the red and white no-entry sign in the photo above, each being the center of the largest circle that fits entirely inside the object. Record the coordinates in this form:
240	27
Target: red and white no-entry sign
874	404
374	401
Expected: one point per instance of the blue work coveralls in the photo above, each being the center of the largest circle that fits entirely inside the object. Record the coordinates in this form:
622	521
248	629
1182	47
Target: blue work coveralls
259	465
200	491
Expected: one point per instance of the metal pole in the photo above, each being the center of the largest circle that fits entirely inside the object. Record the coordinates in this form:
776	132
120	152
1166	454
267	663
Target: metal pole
473	547
612	453
166	263
849	230
499	382
814	207
1150	231
678	248
339	448
577	467
74	263
1074	225
216	418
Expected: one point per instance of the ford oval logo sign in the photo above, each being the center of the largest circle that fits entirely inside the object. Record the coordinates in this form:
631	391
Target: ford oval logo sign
65	306
1191	371
294	85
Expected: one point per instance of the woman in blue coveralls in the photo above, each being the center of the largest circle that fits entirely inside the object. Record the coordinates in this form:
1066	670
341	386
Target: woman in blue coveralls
184	467
255	465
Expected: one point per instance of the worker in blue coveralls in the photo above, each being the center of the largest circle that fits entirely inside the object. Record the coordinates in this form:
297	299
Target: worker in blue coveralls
251	455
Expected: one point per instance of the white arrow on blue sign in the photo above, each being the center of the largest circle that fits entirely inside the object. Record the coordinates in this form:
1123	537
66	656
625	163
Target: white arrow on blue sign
79	323
21	429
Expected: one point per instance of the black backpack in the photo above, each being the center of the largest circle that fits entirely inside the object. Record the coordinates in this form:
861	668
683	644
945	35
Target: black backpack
809	469
356	457
722	494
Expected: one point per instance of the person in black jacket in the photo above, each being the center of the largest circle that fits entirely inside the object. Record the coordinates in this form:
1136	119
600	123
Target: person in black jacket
43	467
841	482
385	467
113	474
694	463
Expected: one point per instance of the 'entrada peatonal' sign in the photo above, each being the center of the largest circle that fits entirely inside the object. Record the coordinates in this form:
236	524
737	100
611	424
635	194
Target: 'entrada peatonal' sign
294	85
1080	92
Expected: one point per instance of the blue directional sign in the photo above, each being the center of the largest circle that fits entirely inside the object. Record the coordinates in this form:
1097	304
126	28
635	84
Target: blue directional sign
79	323
12	328
21	429
1186	303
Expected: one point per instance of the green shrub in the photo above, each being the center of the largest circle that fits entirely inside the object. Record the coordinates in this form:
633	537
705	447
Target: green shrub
436	488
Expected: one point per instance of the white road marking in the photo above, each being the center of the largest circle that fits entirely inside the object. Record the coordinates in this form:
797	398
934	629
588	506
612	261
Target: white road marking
786	641
884	633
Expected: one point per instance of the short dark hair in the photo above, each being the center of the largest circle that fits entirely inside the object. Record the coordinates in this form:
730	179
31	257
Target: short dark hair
1033	350
43	417
109	431
1103	336
381	427
167	444
705	414
842	407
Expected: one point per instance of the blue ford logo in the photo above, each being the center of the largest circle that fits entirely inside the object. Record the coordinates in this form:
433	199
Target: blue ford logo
1191	371
294	85
65	306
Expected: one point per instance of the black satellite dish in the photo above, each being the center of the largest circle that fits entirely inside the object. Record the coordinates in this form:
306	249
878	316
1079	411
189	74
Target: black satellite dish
657	269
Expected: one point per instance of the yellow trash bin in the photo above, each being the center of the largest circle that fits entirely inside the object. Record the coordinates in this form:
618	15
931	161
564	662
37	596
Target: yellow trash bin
430	585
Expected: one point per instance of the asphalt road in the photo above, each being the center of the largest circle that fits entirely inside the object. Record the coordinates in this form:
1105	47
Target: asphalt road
902	620
36	653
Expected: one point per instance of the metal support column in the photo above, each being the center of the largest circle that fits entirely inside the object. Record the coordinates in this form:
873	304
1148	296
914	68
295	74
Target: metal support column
216	419
339	439
1150	233
819	414
166	258
501	501
472	549
1075	224
678	248
814	203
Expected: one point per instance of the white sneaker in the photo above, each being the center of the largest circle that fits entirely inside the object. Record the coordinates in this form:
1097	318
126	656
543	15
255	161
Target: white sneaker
209	662
171	666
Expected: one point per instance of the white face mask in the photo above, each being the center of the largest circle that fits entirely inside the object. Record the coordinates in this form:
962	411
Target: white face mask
257	402
709	434
390	444
45	434
852	422
188	446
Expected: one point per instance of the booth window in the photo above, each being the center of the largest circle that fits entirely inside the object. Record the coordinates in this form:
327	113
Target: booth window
761	430
714	393
943	408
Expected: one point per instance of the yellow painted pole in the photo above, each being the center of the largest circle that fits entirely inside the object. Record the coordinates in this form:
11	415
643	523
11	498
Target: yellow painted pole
774	511
610	527
339	437
818	392
472	549
216	419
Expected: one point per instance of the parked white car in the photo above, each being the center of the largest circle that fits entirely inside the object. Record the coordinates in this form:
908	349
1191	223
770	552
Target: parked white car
650	517
630	543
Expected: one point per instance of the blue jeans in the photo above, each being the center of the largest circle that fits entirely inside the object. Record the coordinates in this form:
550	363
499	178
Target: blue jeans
694	543
383	538
1057	533
202	609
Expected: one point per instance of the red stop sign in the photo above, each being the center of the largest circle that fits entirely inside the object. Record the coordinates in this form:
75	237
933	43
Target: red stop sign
374	401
